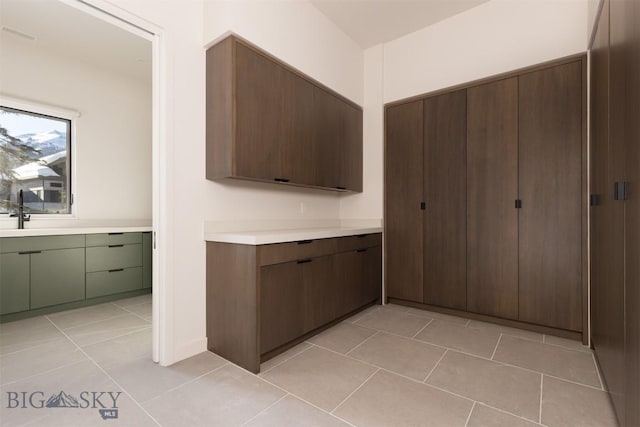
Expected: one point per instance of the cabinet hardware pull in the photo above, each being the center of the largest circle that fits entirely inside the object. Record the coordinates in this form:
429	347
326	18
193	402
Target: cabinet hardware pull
114	234
362	250
116	246
341	188
361	236
304	261
116	270
594	200
280	180
518	204
620	190
423	206
304	242
29	252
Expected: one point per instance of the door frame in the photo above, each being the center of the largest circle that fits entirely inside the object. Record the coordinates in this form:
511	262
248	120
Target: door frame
161	320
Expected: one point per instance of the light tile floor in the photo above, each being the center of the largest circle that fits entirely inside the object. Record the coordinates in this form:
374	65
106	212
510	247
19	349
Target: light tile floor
387	366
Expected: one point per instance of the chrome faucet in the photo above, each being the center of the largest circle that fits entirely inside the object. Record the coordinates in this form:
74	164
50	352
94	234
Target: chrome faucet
22	217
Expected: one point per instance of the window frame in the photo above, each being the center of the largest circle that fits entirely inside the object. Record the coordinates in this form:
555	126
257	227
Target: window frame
54	112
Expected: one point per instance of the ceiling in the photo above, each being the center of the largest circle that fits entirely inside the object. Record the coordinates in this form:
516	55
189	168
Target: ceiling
69	32
370	22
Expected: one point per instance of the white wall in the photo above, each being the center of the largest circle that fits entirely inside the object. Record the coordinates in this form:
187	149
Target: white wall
495	37
289	30
368	204
113	132
593	7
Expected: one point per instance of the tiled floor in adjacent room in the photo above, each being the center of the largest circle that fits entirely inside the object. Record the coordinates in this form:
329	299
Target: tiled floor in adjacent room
388	366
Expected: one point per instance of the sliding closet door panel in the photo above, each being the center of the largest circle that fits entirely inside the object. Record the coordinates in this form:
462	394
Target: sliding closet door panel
403	194
445	192
550	187
492	187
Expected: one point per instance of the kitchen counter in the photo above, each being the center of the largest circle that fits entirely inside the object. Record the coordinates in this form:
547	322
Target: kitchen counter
313	230
29	232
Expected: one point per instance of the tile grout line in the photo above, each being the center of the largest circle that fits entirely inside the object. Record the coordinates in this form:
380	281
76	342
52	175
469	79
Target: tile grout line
192	380
118	330
496	361
86	323
299	398
34	346
285	360
119	336
541	389
435	366
593	356
354	391
509	413
496	347
422	329
466	423
107	375
66	365
365	340
264	410
135	314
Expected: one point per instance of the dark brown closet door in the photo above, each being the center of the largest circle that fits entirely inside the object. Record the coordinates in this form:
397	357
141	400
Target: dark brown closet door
550	187
258	112
632	211
492	179
445	193
403	194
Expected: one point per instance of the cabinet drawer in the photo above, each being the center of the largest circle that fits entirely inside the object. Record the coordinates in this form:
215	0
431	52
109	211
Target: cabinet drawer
106	239
360	241
291	251
113	257
112	282
40	243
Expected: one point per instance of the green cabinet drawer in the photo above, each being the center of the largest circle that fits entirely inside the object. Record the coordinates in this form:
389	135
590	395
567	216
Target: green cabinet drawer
14	283
57	277
106	239
113	257
40	243
113	282
147	260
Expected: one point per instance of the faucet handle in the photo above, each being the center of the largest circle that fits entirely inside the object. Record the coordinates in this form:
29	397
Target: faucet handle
26	217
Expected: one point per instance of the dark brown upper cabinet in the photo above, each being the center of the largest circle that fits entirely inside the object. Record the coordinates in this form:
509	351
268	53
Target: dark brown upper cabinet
268	122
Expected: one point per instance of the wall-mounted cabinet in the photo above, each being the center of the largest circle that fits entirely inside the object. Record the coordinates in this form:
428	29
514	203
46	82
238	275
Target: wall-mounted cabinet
485	198
269	122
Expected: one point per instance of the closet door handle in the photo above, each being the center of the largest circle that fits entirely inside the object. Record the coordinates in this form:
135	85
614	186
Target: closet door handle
518	204
304	261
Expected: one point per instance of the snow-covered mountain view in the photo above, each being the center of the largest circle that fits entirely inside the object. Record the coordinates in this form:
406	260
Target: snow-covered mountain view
47	142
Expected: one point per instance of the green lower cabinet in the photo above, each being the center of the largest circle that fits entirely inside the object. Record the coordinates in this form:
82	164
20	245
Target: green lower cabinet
57	277
14	283
147	259
113	282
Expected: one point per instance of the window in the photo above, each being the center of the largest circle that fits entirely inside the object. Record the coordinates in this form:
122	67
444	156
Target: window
35	151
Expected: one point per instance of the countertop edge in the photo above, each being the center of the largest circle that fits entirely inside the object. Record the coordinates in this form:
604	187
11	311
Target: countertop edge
35	232
282	236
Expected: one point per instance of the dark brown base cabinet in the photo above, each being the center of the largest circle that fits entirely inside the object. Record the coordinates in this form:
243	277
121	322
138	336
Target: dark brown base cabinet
263	299
268	122
615	215
486	201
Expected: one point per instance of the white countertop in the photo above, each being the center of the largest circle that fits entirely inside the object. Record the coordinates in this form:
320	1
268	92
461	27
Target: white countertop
27	232
314	230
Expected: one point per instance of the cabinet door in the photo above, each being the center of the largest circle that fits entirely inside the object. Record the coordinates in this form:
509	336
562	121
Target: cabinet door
298	152
348	267
14	283
371	261
350	158
321	292
445	194
147	260
281	305
492	188
550	187
258	115
403	194
57	277
328	128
